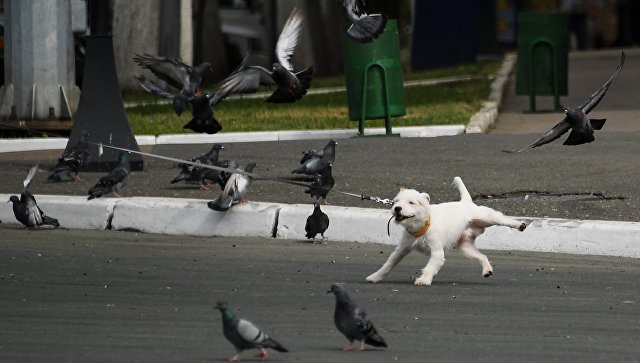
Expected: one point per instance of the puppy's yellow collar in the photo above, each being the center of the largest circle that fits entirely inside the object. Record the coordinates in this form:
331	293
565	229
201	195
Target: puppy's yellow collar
422	230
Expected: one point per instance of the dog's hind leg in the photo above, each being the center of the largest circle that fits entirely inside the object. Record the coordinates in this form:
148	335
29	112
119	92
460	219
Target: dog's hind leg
469	249
396	256
486	217
431	269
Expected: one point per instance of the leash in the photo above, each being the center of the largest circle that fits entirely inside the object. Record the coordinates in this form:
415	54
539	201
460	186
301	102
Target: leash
100	145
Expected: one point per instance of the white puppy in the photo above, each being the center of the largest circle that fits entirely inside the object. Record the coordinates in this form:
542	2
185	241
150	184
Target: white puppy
434	228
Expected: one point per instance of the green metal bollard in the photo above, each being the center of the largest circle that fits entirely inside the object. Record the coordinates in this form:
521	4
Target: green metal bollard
374	78
543	61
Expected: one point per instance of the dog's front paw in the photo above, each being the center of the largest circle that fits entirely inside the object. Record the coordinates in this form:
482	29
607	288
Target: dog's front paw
373	278
423	281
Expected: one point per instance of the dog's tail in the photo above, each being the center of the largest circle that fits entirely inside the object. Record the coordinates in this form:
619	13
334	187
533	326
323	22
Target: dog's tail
464	193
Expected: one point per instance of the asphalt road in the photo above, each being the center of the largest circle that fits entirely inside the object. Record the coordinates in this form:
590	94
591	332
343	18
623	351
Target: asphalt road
106	296
600	179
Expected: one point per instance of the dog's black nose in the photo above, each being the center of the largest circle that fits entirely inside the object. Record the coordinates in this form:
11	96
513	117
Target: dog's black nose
397	209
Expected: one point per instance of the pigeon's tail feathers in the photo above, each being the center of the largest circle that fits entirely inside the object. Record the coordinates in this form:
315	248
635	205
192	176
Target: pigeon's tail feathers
367	28
271	343
209	126
97	192
300	170
375	340
221	204
180	177
305	77
50	221
55	176
29	177
179	105
579	138
464	193
597	123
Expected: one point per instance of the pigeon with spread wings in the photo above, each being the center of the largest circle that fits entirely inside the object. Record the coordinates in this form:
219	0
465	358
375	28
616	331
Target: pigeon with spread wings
576	120
364	27
290	86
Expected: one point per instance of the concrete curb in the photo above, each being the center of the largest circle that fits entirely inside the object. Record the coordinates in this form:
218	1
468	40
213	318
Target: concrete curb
484	119
367	225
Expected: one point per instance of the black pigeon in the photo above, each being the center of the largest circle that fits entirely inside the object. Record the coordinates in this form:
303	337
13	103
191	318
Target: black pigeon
314	161
244	335
322	185
178	75
117	179
71	160
576	120
234	191
364	27
317	222
192	173
26	209
290	86
352	321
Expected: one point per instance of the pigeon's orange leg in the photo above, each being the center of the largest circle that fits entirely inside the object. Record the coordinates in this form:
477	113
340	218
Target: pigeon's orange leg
262	354
348	347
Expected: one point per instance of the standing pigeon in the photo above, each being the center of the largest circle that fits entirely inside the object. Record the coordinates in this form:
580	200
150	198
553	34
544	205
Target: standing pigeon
317	222
117	179
244	335
218	176
576	120
178	75
192	173
352	321
234	191
364	28
26	209
314	161
322	185
71	160
290	86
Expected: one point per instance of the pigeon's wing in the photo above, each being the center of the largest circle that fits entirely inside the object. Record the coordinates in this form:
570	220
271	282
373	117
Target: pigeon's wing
556	131
247	80
354	8
152	87
34	214
249	332
29	177
597	96
114	177
170	70
289	38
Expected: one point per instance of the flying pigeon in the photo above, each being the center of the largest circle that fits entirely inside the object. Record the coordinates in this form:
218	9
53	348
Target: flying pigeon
322	185
364	27
317	222
26	209
244	335
576	119
352	321
192	173
71	161
178	75
117	179
314	161
290	86
234	191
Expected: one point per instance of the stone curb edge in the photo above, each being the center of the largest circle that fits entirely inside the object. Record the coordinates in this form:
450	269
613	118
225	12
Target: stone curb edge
347	224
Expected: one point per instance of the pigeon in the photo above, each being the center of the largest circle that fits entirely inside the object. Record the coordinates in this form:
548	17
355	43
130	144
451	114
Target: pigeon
576	119
317	222
26	209
352	321
234	191
71	160
314	161
244	335
178	75
117	179
290	86
322	185
192	173
364	27
218	176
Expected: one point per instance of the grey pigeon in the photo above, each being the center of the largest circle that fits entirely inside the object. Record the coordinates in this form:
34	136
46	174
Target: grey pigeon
352	321
192	173
234	191
117	179
315	161
364	27
245	335
322	185
178	75
290	86
576	120
203	119
317	222
26	209
218	176
71	160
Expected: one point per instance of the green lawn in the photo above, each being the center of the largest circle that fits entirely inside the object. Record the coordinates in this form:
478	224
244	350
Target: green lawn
426	105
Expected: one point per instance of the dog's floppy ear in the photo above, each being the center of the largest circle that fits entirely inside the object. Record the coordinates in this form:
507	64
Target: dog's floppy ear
426	197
